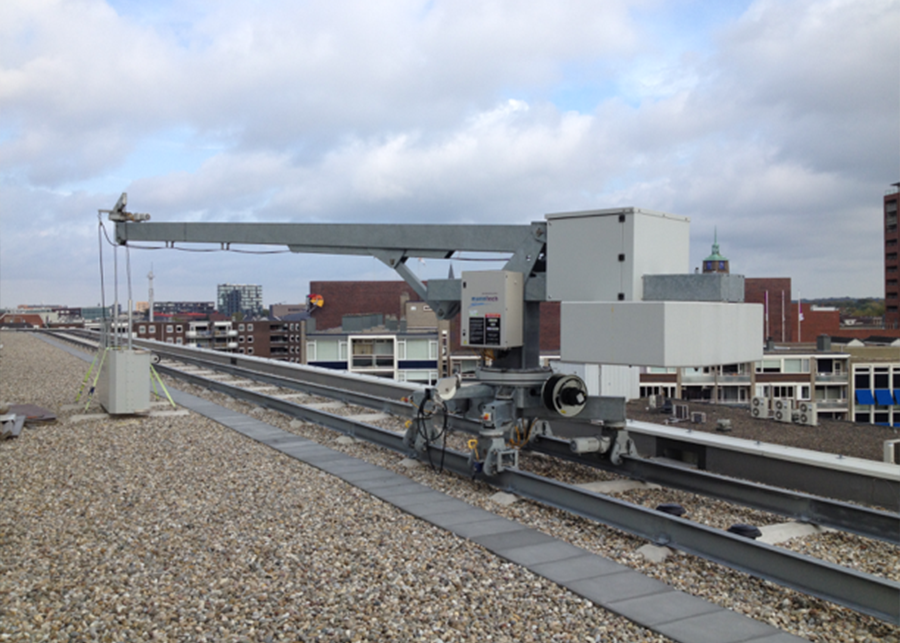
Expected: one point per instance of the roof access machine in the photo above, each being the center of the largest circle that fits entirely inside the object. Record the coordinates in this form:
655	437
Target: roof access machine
621	276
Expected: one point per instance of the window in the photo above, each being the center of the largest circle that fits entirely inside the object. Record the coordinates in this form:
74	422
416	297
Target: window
310	351
169	328
249	339
804	392
241	349
152	329
249	328
241	339
250	351
179	340
326	350
169	340
891	256
432	350
796	365
881	378
862	379
241	327
769	366
142	329
179	329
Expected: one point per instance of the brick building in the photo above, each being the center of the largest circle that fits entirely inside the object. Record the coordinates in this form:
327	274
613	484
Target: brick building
774	293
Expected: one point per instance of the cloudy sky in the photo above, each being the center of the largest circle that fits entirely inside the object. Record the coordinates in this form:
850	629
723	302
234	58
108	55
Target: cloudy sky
775	122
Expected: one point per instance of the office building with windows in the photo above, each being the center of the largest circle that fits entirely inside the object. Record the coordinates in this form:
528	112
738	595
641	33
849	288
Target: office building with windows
245	299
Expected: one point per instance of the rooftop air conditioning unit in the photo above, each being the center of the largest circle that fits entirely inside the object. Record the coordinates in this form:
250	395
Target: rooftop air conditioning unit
651	401
892	451
759	403
785	413
806	414
698	418
783	404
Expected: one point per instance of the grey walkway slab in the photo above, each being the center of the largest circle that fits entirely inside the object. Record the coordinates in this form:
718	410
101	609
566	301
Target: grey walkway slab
646	601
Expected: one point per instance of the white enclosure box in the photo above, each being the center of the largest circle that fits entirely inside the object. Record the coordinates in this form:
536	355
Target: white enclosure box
492	309
124	384
602	255
661	333
605	380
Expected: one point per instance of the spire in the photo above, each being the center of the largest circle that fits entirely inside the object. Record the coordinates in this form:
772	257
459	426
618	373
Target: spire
715	262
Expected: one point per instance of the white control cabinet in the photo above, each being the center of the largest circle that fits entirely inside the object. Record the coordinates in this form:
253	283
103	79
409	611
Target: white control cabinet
124	384
603	255
492	309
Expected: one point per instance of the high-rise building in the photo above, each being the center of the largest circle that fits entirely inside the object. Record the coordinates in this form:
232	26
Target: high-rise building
239	298
891	238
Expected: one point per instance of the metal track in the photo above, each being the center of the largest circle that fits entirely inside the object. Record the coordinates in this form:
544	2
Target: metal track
863	521
862	592
371	393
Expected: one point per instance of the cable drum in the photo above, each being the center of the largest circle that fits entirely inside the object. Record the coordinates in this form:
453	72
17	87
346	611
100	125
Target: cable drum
565	394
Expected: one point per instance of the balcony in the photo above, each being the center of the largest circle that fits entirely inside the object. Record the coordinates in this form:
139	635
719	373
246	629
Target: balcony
373	361
225	333
836	378
832	405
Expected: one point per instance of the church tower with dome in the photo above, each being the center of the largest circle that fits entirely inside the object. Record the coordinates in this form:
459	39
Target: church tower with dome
716	263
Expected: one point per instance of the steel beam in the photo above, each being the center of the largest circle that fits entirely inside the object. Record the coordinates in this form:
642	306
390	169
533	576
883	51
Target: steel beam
414	240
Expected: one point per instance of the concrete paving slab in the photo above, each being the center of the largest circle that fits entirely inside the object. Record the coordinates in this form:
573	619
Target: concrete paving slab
722	626
504	499
434	508
499	543
616	486
348	464
618	586
169	414
377	486
362	477
774	534
531	555
664	607
404	493
655	553
486	527
571	569
780	637
459	516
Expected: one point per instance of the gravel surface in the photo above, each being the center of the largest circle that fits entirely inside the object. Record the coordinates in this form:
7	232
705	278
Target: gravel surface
794	612
831	436
177	529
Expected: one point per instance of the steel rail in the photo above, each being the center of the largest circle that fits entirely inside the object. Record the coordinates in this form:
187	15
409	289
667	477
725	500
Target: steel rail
803	507
859	591
862	592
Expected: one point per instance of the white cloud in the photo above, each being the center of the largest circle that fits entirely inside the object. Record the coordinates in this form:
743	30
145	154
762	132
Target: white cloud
783	134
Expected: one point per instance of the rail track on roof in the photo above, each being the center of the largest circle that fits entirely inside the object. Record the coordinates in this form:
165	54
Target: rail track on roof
287	389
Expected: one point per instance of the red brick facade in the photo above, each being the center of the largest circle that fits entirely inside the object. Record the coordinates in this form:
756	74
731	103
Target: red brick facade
774	293
386	297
